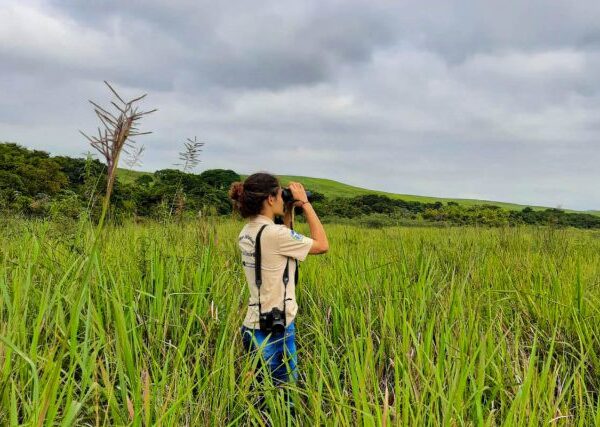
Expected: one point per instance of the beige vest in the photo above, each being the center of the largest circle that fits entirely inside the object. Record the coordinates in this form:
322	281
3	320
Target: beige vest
277	243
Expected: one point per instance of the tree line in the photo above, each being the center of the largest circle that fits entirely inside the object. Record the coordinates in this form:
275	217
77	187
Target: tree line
35	184
378	210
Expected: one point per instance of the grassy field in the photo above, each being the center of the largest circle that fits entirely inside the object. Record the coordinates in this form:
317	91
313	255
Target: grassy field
456	326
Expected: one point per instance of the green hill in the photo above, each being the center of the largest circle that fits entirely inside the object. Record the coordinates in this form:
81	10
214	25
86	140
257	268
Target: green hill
127	176
331	188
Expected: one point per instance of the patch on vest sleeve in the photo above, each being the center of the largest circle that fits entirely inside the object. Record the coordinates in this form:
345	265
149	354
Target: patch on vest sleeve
295	235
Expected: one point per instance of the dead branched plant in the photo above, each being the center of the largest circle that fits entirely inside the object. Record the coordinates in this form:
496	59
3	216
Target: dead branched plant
114	136
116	133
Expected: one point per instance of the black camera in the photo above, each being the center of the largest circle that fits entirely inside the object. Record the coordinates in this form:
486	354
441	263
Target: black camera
273	321
287	196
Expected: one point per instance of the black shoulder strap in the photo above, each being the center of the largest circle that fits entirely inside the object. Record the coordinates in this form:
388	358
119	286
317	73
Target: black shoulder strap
296	274
258	271
295	271
257	258
258	262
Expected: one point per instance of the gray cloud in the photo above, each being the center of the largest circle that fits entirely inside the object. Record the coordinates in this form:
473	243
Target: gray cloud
494	100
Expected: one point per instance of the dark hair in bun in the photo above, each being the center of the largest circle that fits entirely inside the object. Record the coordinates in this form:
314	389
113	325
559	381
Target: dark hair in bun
247	197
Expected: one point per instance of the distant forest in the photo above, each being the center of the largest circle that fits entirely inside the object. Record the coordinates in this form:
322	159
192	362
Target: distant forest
34	184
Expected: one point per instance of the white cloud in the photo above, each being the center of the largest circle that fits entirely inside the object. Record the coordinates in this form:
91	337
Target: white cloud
35	35
453	99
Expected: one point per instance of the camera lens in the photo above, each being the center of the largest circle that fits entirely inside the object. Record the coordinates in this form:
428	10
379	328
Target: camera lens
278	328
278	321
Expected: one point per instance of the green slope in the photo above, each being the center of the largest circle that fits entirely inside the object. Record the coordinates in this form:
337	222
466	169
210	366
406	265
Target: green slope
331	188
127	176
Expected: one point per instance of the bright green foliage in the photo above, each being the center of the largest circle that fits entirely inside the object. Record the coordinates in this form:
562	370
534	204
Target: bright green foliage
33	184
456	326
26	177
37	172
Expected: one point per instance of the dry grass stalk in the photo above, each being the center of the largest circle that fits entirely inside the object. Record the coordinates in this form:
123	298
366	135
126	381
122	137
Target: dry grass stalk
118	129
135	158
191	158
191	155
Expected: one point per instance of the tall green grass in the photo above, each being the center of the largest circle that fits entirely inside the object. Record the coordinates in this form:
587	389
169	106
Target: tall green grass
457	326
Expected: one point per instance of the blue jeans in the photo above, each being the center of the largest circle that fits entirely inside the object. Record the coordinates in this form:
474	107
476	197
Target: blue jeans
277	351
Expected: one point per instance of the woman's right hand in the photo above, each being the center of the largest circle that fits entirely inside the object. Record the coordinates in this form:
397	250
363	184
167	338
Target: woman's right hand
320	244
298	193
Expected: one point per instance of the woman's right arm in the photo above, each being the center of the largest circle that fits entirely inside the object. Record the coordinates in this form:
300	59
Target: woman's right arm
317	232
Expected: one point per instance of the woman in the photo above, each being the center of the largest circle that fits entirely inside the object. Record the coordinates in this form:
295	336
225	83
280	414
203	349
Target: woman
259	199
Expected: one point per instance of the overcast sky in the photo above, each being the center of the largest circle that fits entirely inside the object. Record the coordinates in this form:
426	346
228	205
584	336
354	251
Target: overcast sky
473	99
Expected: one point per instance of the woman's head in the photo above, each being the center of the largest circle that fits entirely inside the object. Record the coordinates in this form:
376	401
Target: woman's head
259	193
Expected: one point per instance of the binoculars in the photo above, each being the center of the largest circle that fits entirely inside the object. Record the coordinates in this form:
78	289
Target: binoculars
288	197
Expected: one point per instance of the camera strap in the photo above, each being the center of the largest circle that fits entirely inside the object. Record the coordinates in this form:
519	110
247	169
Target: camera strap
258	271
296	270
279	220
